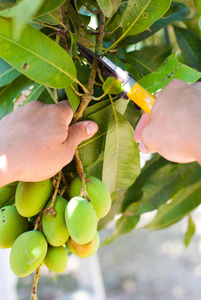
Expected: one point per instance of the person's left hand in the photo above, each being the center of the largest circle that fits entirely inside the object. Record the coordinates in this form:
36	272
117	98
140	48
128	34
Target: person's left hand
36	141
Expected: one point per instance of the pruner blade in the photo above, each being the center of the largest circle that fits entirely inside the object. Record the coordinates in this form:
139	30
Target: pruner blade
132	89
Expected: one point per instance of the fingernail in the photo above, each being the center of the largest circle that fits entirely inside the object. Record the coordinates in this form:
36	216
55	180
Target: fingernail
91	128
142	147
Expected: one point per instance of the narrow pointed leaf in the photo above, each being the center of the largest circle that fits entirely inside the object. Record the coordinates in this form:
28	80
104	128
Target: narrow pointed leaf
161	186
91	149
7	73
171	68
72	96
178	12
190	45
148	59
35	92
140	14
182	203
190	231
109	7
36	56
121	159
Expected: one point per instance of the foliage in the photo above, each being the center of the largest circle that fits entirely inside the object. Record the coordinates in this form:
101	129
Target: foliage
153	40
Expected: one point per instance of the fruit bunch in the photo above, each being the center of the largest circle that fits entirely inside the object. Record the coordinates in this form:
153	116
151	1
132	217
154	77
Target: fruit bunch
38	236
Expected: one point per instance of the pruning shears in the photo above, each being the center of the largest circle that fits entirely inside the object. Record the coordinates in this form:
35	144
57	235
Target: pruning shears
132	89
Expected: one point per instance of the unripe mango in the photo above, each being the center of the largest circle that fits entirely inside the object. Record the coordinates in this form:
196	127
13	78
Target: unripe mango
11	225
56	259
28	252
7	194
97	192
83	251
32	196
81	220
54	228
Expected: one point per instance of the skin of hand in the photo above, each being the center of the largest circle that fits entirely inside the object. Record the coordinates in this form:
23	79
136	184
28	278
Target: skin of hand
37	141
173	128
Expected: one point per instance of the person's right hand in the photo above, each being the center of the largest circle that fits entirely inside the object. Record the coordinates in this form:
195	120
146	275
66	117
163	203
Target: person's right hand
173	128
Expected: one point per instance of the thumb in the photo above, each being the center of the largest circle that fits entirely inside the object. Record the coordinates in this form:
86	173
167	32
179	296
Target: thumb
80	132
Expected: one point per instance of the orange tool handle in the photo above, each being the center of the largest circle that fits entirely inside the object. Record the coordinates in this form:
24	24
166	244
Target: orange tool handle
141	97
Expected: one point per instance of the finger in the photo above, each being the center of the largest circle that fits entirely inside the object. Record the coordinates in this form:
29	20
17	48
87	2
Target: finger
65	110
144	120
78	133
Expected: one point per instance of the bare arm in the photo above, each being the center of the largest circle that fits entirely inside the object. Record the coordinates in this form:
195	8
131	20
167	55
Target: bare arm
173	128
36	141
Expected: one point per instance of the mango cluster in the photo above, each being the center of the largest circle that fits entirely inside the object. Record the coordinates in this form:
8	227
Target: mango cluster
72	229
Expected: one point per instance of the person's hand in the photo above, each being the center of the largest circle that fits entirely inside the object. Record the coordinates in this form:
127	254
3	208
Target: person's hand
36	141
173	128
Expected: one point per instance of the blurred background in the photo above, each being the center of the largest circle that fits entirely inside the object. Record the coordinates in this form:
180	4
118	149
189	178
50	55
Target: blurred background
142	265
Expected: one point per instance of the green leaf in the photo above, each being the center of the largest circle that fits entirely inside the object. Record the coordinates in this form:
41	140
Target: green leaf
52	18
171	68
21	13
178	12
160	186
49	6
112	86
121	163
140	14
117	198
53	68
35	92
190	45
9	92
72	96
123	226
184	201
7	73
6	5
135	192
91	149
45	97
147	59
109	7
190	231
72	16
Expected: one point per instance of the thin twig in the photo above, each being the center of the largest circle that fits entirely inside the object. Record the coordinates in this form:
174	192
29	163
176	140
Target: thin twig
35	283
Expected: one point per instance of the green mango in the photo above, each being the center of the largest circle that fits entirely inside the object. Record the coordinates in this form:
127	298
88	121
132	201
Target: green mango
27	253
31	197
96	243
81	220
54	228
12	224
7	194
97	192
56	259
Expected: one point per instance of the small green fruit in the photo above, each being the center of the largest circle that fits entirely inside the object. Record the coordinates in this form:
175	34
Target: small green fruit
81	220
97	192
27	253
11	225
96	243
7	194
54	228
56	259
32	196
